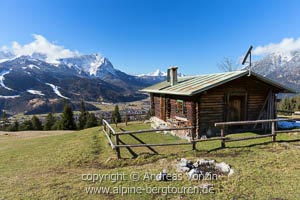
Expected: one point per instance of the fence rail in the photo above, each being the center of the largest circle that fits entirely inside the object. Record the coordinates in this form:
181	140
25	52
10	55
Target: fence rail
226	139
153	130
110	132
247	122
152	145
288	131
107	133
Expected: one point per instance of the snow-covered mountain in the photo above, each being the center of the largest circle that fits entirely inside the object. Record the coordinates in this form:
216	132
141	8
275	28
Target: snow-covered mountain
284	68
93	65
155	73
5	55
158	73
89	77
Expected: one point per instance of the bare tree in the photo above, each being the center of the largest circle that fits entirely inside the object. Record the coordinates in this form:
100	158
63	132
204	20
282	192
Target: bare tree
227	65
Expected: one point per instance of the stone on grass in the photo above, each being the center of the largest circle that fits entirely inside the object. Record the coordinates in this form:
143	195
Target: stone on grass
203	168
163	176
183	162
205	162
285	145
231	171
206	185
196	164
184	165
183	169
194	171
222	167
189	164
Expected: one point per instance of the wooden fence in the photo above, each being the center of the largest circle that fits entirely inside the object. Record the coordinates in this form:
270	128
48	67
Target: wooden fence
128	118
273	133
117	144
132	117
109	132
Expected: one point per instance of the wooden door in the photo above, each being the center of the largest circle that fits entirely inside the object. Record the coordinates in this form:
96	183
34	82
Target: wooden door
236	108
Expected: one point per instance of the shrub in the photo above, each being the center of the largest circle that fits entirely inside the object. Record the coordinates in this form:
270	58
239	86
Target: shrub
50	122
91	121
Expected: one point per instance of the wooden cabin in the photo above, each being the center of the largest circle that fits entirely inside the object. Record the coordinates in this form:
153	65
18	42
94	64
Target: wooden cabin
202	100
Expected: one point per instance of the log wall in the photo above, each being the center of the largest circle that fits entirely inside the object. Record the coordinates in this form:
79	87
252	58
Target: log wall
207	108
213	103
156	105
171	106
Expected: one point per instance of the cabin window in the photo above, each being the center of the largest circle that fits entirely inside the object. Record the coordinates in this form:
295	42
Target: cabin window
180	106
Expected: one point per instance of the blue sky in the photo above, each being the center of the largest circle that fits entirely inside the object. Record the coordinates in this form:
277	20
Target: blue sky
140	36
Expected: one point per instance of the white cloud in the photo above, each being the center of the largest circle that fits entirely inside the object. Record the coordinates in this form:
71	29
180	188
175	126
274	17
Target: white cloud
43	46
286	47
4	48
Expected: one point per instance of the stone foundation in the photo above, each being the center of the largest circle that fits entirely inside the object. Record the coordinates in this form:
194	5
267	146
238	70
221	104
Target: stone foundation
157	123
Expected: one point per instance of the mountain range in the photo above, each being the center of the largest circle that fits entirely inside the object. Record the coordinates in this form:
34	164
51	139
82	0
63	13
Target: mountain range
31	85
281	67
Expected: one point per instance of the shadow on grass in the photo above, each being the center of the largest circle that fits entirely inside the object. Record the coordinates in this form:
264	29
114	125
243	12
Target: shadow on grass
253	145
147	158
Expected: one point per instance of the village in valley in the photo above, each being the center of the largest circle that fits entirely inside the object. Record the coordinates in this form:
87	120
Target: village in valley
186	103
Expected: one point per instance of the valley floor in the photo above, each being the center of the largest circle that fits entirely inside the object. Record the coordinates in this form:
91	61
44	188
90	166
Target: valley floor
53	165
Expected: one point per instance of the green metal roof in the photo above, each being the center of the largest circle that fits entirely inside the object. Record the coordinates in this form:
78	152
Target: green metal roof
189	86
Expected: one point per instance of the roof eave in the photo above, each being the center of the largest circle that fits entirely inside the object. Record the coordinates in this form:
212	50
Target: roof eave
284	89
165	92
281	87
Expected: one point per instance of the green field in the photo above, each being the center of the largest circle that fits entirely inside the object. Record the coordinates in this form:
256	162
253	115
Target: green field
51	166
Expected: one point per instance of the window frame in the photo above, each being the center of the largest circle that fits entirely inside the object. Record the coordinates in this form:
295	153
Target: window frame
182	106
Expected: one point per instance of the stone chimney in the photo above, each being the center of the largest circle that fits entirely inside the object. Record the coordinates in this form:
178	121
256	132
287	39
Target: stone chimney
172	75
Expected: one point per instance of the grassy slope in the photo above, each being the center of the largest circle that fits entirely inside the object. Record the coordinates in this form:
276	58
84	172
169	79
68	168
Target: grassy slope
51	167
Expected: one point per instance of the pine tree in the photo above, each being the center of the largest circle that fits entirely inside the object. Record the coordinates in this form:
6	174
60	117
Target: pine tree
5	121
57	125
101	120
297	107
126	118
14	126
91	121
36	123
116	117
26	125
67	119
289	104
50	122
83	116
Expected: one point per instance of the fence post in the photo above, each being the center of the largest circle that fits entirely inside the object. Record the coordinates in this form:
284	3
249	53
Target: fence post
193	139
273	132
223	137
103	125
109	132
117	148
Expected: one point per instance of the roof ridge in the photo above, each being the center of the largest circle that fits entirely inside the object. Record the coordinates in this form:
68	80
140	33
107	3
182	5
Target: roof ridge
197	84
218	73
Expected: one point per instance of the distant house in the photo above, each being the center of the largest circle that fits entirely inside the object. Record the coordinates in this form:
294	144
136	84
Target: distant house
202	100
